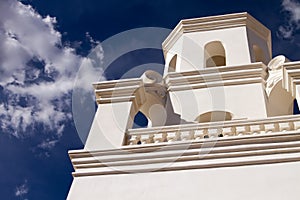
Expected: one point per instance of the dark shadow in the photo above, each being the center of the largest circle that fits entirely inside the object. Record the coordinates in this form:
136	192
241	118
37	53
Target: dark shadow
296	108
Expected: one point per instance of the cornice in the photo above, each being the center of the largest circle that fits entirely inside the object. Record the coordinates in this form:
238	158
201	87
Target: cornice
216	23
118	91
229	152
135	90
291	76
217	76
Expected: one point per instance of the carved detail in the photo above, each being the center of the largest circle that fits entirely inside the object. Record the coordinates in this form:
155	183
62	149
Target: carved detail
275	72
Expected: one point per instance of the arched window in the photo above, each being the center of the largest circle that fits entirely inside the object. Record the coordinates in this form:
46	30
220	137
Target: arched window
258	54
172	64
214	54
214	116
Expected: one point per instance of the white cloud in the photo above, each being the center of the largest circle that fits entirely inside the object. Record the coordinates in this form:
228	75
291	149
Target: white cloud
22	190
292	8
93	42
37	72
48	144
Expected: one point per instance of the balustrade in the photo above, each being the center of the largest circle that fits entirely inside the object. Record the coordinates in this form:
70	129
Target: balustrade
202	131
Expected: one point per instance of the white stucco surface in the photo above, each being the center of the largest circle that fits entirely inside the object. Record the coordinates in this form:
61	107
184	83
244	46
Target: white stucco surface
274	181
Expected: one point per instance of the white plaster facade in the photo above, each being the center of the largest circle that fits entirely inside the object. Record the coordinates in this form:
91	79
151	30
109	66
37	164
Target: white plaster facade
222	121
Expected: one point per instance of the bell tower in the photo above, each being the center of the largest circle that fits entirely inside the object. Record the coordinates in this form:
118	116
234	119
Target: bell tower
219	63
226	40
222	121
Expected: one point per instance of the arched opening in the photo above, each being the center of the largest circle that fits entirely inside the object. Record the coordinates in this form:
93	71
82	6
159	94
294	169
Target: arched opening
140	121
214	54
172	64
258	54
214	116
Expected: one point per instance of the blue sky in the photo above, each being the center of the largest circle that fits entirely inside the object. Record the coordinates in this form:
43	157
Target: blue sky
43	43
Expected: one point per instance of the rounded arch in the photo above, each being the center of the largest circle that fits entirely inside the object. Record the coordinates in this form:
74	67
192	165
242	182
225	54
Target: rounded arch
172	64
214	116
214	54
259	55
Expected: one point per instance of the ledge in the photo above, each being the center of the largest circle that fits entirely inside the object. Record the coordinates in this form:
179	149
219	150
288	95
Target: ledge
198	155
291	76
214	23
218	76
250	142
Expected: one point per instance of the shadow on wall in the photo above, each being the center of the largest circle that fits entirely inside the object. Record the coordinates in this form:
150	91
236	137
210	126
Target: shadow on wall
214	116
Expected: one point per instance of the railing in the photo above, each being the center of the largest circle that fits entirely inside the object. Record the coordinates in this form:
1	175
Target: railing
199	131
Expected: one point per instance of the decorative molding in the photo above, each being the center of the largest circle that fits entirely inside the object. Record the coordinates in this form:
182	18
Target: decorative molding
213	153
134	90
197	131
248	142
216	23
117	91
291	77
217	76
275	72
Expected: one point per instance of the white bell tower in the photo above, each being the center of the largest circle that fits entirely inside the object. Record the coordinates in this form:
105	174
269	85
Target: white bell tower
226	40
222	122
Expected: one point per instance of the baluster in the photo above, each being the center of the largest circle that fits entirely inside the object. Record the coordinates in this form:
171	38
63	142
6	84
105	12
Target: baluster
151	138
192	135
205	133
178	135
220	132
131	139
292	127
233	129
